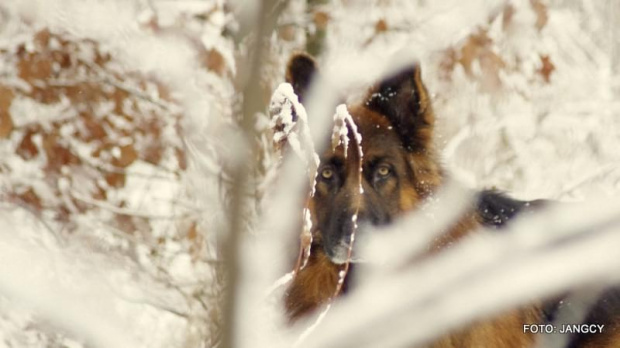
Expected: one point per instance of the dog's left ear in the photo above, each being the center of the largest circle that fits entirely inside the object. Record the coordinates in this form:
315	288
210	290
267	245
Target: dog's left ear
404	100
300	71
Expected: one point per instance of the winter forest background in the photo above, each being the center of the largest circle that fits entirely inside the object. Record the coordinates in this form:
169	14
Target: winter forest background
135	140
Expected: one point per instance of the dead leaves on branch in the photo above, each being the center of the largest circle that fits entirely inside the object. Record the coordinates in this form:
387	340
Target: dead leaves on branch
479	50
481	58
71	113
480	54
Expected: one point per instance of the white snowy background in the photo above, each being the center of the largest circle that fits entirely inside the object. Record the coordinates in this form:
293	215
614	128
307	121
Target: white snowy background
118	143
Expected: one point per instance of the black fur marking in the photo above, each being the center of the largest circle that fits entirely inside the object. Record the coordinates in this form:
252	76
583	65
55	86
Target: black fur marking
603	311
399	99
300	72
495	209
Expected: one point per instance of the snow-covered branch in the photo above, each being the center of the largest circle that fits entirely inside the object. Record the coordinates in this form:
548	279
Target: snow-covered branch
559	249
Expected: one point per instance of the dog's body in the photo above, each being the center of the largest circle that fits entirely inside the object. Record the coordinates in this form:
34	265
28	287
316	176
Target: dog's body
398	171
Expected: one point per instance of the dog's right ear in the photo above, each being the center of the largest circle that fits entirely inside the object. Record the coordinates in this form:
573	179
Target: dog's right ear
404	100
300	71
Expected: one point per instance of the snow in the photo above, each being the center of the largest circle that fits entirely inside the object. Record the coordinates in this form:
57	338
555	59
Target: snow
289	113
134	237
488	289
121	251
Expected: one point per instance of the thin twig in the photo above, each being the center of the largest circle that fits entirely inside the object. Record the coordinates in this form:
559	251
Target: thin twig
153	304
107	77
598	172
122	211
39	218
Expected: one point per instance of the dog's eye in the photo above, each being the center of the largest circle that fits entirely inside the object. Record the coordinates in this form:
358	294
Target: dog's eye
327	173
383	171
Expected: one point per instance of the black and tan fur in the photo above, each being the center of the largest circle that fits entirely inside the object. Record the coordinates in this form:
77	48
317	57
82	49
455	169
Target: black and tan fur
400	169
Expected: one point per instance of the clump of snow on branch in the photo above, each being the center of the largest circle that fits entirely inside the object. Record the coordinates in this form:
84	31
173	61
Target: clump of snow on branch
341	134
340	131
290	124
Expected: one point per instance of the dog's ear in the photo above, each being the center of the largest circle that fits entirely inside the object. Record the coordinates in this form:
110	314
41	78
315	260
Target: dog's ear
300	71
404	100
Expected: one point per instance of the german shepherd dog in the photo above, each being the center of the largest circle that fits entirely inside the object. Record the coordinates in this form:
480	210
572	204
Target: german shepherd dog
400	169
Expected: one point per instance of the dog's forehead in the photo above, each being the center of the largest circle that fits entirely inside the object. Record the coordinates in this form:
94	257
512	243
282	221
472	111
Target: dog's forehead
376	130
378	135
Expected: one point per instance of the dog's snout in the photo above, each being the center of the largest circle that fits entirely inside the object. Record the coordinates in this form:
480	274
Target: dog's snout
358	210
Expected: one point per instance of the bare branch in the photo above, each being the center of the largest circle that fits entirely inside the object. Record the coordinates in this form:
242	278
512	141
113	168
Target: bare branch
122	211
269	11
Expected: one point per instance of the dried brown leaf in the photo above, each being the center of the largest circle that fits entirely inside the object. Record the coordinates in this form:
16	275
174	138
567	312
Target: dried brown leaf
321	19
128	155
58	155
125	223
101	58
34	67
119	97
542	15
152	127
30	198
192	232
215	62
153	153
6	122
46	94
196	241
42	39
100	194
27	149
381	26
116	180
181	158
473	48
63	59
478	47
547	68
93	127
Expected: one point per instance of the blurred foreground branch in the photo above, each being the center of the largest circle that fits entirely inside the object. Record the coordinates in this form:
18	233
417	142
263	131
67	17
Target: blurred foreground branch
560	249
264	21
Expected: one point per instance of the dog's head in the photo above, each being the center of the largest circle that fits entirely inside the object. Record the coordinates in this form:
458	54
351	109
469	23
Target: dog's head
399	169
